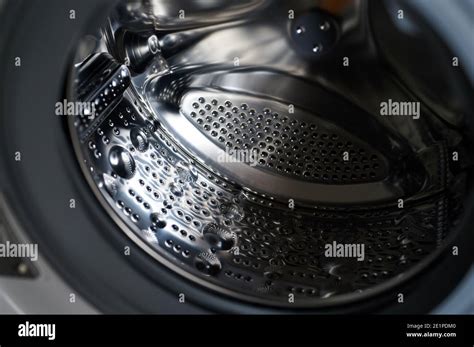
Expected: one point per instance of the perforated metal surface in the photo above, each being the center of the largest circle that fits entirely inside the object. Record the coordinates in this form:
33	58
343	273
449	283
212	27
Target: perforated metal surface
330	169
316	151
226	237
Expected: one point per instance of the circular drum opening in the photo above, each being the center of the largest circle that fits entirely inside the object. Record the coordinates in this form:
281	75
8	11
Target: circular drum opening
283	153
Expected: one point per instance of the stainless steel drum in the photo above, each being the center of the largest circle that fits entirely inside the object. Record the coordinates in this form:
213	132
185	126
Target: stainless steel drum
237	141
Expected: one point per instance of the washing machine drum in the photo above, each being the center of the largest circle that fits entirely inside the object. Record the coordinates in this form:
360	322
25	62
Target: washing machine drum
258	156
288	154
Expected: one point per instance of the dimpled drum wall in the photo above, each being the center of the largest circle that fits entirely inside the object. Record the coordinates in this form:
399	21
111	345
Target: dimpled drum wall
269	150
